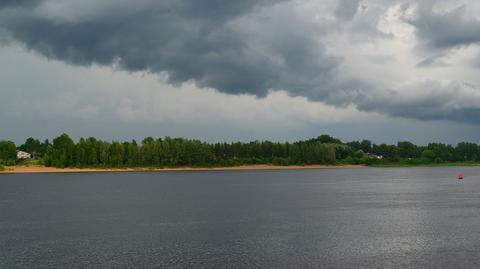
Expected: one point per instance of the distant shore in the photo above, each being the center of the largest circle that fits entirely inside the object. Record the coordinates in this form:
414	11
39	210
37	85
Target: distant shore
406	165
43	169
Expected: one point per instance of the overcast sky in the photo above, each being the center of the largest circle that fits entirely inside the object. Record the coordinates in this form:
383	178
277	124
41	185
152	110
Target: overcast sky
218	70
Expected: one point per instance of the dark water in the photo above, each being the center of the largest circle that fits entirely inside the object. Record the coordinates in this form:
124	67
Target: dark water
359	218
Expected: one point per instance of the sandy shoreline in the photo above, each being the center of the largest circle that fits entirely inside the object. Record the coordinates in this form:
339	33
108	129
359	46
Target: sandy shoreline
43	169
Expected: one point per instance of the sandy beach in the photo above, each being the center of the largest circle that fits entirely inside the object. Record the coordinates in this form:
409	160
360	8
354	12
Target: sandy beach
43	169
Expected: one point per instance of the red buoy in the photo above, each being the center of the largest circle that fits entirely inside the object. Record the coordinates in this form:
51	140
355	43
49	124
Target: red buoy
460	176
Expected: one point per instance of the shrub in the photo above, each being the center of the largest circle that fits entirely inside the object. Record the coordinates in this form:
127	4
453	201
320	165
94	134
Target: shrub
281	161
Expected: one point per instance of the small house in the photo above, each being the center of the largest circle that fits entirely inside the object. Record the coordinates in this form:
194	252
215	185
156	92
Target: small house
22	155
373	156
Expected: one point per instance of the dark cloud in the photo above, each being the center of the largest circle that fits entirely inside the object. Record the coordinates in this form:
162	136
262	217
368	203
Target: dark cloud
445	30
18	3
189	40
239	46
426	100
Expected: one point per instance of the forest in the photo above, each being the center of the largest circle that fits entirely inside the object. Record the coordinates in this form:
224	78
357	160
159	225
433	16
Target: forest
90	152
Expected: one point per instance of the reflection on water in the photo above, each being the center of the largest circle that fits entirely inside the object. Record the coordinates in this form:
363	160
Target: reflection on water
352	218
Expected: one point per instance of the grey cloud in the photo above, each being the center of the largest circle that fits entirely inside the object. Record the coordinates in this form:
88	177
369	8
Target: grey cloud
362	23
435	60
237	47
189	40
445	30
17	3
427	100
346	9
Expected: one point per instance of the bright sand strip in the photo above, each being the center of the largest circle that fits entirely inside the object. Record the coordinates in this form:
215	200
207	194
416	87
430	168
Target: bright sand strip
43	169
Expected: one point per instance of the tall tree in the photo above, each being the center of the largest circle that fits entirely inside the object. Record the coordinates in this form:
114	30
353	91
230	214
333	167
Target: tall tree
8	153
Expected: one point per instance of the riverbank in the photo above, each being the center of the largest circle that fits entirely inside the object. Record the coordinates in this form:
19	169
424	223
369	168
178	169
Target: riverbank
400	164
43	169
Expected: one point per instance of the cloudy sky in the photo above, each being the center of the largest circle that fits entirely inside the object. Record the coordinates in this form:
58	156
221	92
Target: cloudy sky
215	70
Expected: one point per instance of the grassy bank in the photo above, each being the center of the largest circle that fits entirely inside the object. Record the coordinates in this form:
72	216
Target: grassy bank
406	164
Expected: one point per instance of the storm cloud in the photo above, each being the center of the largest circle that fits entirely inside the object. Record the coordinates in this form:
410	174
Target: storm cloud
428	100
443	30
205	41
255	47
17	3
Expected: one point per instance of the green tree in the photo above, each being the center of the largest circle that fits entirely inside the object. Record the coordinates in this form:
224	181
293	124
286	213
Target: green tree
408	150
389	152
443	152
428	155
8	153
62	153
366	146
466	152
32	146
326	139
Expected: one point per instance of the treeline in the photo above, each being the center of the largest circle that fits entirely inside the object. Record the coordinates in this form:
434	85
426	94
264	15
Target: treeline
175	152
410	153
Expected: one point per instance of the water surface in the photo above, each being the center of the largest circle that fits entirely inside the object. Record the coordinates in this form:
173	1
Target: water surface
334	218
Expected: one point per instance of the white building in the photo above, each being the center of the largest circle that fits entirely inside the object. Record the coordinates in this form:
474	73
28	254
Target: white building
370	155
22	155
